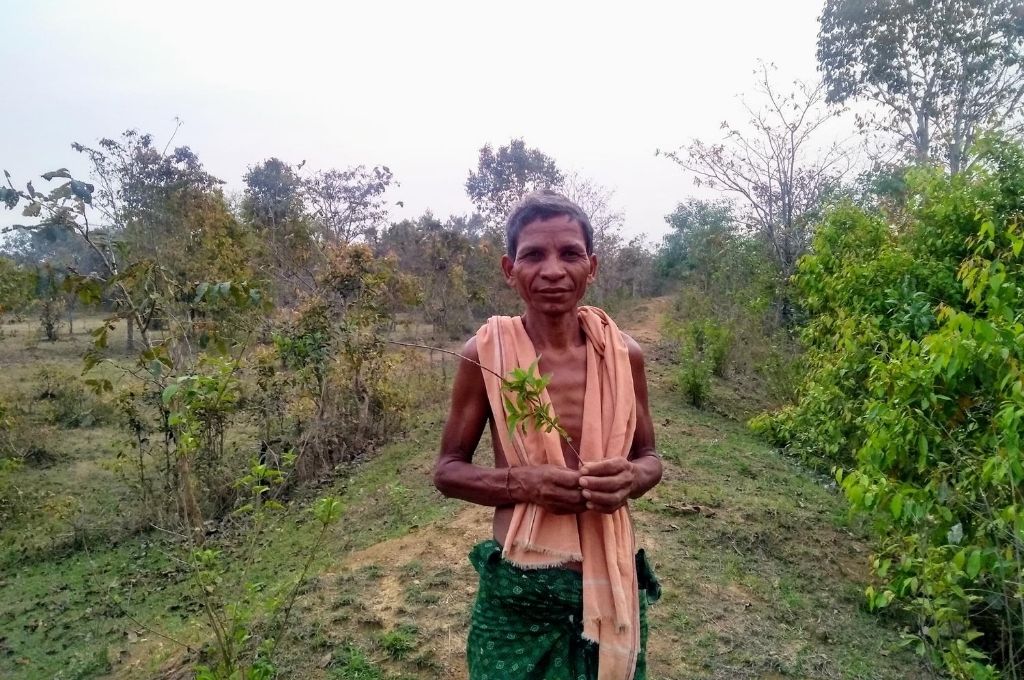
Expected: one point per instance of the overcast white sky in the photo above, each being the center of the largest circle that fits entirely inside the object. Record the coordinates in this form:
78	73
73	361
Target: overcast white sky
418	86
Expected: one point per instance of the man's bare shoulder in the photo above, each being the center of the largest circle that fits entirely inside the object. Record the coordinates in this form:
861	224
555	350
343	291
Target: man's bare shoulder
470	351
636	353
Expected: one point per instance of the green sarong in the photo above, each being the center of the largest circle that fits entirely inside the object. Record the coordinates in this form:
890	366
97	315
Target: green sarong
527	624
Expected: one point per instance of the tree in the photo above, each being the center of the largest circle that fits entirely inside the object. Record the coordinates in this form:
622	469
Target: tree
16	286
941	70
142	233
701	232
148	216
502	177
914	391
607	222
274	206
273	194
775	168
348	204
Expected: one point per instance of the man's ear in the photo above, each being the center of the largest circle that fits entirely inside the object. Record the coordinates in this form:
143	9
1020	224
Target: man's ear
506	268
593	269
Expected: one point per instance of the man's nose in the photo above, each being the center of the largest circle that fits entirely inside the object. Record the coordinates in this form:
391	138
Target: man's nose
552	269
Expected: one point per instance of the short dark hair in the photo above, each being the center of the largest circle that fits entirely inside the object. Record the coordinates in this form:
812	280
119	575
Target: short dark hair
543	205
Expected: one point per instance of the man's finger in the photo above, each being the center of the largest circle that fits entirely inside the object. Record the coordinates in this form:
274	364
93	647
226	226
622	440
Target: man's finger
614	483
615	498
604	468
606	508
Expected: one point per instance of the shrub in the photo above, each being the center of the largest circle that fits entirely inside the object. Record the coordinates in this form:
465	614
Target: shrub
694	380
70	404
915	392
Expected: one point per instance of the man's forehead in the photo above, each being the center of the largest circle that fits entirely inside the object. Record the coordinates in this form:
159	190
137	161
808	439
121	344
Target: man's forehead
563	227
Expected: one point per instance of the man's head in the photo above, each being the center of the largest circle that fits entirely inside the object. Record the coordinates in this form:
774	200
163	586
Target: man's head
541	205
550	258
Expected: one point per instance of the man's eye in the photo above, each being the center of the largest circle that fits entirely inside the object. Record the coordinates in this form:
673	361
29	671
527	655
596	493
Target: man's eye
572	255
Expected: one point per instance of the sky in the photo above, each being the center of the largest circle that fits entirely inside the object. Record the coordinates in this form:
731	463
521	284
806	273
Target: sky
417	86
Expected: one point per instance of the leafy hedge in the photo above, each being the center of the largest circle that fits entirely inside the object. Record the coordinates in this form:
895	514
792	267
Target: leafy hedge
915	396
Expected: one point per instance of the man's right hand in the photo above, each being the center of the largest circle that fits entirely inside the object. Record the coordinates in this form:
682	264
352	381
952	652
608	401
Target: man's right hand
552	487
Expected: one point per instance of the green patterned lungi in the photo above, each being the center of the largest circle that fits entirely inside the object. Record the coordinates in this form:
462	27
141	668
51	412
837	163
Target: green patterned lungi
527	623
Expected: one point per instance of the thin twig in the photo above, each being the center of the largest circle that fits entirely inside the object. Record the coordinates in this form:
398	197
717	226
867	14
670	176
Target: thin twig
447	351
504	382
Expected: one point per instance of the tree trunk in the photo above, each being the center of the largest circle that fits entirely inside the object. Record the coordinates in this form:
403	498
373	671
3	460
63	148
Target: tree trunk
130	343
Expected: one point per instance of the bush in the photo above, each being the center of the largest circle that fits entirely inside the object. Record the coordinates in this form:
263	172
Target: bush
70	404
915	392
694	380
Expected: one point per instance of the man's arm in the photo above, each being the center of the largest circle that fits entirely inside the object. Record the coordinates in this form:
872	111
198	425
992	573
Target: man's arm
608	485
456	476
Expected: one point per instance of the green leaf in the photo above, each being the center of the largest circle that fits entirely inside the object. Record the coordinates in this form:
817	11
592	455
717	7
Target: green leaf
169	392
32	209
973	564
327	510
896	506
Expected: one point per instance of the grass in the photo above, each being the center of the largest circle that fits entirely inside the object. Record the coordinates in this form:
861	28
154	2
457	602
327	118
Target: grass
765	581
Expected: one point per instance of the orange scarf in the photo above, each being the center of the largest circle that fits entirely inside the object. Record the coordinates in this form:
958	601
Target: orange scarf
604	543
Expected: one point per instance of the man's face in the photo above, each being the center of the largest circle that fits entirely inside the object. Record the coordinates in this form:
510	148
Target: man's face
551	269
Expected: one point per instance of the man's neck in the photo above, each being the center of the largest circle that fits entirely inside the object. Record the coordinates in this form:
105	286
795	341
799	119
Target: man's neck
553	332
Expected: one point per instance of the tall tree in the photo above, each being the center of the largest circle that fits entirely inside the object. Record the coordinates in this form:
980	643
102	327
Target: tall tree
776	167
940	70
274	206
702	232
348	204
502	177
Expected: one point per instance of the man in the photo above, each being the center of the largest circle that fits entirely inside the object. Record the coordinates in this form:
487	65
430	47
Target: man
563	592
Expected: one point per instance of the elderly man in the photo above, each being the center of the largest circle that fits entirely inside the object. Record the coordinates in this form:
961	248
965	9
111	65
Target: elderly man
563	591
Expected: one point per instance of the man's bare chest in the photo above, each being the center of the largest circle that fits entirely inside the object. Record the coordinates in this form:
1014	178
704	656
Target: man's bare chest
567	390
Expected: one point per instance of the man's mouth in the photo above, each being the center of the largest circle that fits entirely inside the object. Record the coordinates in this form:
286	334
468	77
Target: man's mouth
554	291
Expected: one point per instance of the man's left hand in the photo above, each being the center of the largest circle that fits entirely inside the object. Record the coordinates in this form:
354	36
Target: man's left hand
607	484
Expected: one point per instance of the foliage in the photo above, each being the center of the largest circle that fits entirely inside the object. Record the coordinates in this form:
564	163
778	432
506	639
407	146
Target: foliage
941	71
348	204
71	404
523	394
442	257
10	460
248	620
16	287
915	390
502	177
701	233
772	168
343	397
49	301
693	378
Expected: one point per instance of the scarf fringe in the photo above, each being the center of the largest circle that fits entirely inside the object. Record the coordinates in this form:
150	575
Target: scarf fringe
558	557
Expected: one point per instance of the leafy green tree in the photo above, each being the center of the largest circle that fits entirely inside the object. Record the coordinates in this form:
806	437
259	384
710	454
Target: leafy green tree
437	254
915	393
504	175
940	71
148	219
701	233
15	287
348	204
273	194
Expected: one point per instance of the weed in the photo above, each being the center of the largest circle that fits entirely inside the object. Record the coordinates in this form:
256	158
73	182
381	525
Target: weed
354	665
399	642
